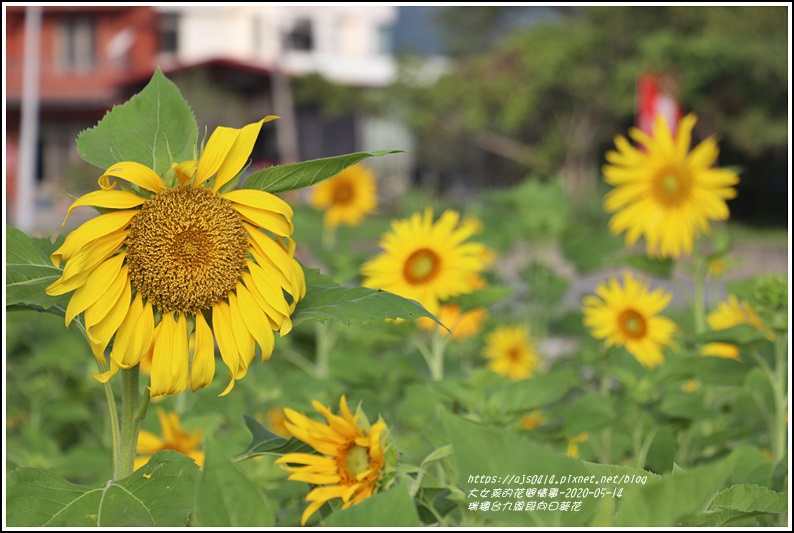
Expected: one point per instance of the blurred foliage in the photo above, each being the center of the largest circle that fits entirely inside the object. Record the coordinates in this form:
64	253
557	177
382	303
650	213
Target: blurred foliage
549	97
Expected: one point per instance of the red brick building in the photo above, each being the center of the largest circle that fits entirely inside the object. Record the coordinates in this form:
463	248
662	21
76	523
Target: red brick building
86	53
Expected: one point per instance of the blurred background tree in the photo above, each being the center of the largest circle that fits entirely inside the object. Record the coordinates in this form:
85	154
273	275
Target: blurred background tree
548	98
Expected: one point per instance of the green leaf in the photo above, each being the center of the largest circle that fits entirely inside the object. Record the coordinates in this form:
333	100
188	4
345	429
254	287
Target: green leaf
227	498
161	494
742	335
155	128
284	178
327	300
751	499
29	272
393	508
518	396
667	502
482	298
266	443
662	268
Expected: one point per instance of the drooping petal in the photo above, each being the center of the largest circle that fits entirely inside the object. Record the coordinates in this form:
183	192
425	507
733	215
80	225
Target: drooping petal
135	173
203	368
110	199
96	285
97	227
101	333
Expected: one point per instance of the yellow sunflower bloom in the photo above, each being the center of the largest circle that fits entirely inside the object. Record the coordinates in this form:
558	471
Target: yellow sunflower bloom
163	265
726	315
511	352
276	422
664	192
347	197
627	316
463	325
427	262
174	438
573	445
353	458
533	420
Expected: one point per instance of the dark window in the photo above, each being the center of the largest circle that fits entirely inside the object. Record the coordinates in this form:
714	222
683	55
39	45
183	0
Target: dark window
169	33
300	36
75	44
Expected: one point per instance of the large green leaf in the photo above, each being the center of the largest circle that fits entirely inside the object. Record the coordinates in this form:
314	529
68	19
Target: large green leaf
751	499
155	128
284	178
541	390
671	500
227	498
327	300
264	442
489	458
28	272
393	508
161	494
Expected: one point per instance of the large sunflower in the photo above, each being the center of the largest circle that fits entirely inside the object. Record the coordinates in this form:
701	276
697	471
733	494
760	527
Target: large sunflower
347	197
511	353
427	262
162	264
664	192
353	460
627	316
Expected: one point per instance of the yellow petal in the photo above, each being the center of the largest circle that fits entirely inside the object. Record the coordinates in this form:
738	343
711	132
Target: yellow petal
79	267
238	153
268	220
95	287
148	443
218	146
244	339
95	228
222	328
268	288
185	171
256	321
103	331
100	309
135	173
134	335
169	358
203	369
260	200
104	377
110	199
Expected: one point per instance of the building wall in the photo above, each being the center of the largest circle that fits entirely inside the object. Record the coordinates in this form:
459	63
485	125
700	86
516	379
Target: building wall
349	44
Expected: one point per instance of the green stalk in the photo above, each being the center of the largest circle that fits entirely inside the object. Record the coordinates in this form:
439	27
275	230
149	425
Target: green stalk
699	302
779	387
132	413
437	348
114	419
325	339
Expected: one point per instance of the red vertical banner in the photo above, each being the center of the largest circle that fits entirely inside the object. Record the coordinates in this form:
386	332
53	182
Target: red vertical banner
656	95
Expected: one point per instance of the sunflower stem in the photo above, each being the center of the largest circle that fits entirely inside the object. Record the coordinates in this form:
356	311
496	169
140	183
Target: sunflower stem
437	348
130	421
324	341
328	238
114	420
780	425
699	300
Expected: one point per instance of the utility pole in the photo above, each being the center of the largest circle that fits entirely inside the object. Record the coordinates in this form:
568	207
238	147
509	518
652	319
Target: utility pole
286	129
29	127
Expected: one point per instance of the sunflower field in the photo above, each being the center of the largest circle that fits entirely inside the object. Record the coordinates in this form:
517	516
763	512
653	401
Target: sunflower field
283	348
